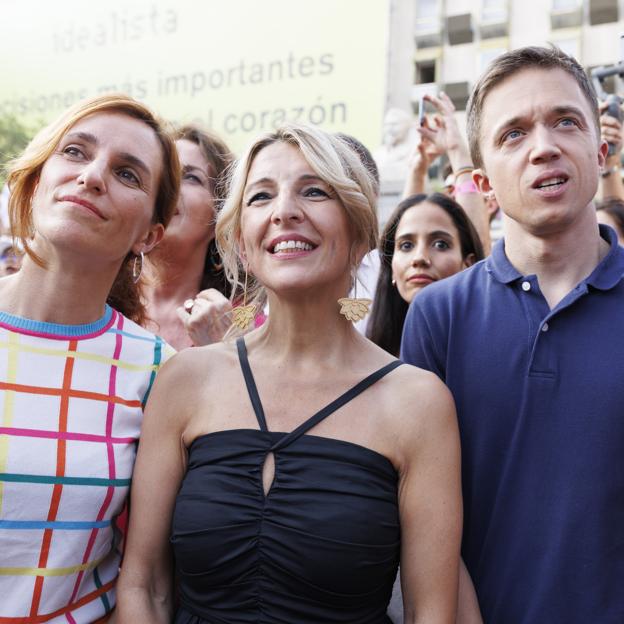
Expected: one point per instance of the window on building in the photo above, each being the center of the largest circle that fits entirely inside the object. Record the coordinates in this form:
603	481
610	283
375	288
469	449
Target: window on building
565	5
427	8
425	71
566	14
494	11
603	11
427	15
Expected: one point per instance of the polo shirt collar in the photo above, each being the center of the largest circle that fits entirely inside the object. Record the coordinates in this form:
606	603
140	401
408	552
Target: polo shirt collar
611	269
605	276
498	265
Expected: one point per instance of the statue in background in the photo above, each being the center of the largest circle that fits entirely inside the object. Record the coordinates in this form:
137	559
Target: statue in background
399	139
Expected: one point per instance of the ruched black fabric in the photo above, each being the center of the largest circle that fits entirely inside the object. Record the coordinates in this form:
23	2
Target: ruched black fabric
321	547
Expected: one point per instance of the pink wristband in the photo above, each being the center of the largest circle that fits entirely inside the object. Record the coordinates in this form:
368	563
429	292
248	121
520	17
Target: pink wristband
466	187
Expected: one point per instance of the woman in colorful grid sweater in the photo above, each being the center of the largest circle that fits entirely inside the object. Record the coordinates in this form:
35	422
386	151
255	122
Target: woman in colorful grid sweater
91	196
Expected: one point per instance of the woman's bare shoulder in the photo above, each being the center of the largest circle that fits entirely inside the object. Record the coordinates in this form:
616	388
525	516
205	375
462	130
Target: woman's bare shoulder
200	362
409	384
417	405
196	375
190	383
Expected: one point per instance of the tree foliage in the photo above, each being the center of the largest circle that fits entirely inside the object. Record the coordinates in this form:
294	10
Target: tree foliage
14	137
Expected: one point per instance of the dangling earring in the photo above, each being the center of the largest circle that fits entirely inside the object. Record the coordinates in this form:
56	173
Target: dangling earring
243	315
136	275
352	308
394	282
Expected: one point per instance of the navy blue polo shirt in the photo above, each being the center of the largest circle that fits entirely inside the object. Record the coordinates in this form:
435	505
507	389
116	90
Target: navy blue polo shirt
540	403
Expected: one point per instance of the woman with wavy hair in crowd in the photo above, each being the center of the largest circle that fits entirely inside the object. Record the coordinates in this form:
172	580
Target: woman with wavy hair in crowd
283	475
186	290
427	238
90	198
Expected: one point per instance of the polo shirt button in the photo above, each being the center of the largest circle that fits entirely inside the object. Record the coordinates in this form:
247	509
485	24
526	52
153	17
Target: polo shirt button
526	286
545	327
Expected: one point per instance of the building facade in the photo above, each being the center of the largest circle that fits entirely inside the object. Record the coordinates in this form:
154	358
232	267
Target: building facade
446	44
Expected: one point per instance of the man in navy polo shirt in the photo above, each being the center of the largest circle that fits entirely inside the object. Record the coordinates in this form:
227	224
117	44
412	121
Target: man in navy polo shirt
531	343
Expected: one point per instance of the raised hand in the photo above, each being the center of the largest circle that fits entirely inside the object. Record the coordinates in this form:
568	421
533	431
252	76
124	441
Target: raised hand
208	319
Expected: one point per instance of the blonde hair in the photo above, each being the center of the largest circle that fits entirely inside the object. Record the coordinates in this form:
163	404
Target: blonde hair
25	171
334	161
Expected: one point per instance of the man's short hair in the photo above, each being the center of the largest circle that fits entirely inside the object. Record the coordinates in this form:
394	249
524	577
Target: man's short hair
511	63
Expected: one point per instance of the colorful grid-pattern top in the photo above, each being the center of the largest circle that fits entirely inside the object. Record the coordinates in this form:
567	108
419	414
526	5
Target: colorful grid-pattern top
71	404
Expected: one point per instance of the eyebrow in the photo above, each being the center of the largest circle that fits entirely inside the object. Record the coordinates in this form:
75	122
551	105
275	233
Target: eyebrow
187	168
84	136
131	159
568	109
266	179
310	176
258	182
434	234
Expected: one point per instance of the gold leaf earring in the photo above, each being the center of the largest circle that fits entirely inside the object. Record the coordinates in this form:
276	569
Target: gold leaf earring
352	308
243	315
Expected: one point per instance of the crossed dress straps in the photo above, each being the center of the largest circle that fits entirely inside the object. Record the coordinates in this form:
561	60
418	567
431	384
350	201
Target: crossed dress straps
316	418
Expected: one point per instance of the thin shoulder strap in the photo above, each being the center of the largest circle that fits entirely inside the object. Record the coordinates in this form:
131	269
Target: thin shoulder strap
250	383
336	404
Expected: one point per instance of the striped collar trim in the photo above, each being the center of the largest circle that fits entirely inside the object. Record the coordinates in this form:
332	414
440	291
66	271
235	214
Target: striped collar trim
57	331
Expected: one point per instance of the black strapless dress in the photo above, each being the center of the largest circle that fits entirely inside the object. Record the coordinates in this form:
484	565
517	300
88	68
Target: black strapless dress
321	547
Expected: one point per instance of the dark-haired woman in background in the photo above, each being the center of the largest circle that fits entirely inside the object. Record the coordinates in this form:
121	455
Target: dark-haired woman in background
187	293
427	238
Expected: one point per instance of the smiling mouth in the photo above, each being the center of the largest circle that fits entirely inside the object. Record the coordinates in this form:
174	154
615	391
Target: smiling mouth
292	246
552	183
82	202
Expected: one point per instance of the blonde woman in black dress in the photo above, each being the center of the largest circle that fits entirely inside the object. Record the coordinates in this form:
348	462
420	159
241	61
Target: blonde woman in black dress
285	475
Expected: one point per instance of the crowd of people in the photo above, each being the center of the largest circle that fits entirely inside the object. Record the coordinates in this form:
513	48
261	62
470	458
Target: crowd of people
285	467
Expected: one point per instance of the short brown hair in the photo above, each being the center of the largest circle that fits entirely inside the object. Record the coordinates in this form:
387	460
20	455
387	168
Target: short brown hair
511	63
26	169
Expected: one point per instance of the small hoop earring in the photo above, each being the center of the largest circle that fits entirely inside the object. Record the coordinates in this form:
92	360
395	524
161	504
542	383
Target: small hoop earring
243	315
352	308
136	275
